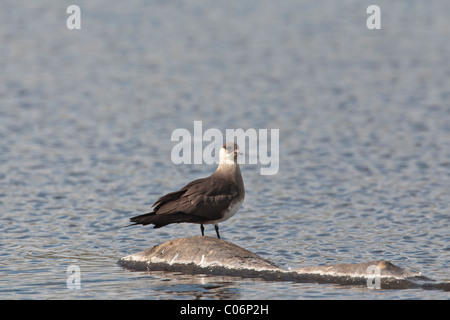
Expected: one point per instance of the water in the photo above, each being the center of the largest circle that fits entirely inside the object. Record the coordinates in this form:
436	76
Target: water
86	118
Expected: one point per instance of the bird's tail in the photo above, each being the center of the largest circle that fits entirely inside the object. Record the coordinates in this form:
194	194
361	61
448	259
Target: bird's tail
161	220
144	219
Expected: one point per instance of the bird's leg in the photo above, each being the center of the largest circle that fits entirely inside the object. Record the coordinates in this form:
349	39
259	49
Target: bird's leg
202	228
216	226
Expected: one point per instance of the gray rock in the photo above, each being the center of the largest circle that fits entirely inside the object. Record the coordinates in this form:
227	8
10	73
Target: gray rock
212	256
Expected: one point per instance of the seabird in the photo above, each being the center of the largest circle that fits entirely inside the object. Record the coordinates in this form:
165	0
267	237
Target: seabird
209	200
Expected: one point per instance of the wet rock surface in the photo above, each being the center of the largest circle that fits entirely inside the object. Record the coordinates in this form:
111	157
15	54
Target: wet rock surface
207	255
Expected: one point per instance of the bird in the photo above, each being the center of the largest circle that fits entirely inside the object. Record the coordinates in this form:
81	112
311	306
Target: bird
209	200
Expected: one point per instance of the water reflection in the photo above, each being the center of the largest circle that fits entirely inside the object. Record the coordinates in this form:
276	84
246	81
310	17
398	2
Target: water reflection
196	287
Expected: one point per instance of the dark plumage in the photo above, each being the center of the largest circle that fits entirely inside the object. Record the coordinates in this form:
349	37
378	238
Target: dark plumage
204	201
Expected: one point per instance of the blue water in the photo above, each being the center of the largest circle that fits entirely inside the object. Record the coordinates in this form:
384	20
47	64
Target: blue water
86	118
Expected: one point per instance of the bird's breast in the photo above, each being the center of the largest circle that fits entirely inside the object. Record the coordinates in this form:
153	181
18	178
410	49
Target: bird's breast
232	209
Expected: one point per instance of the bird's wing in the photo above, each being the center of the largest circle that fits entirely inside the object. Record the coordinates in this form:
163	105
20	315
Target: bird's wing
206	198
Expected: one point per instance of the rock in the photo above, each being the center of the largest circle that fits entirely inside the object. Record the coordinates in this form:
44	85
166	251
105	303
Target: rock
200	254
212	256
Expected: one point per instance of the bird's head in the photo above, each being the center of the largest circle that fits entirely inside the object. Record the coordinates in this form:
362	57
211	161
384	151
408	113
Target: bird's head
229	153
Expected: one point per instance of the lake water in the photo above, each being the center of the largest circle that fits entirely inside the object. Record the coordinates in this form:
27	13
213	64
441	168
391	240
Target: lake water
86	118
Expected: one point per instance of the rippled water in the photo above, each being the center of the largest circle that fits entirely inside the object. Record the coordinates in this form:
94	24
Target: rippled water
86	118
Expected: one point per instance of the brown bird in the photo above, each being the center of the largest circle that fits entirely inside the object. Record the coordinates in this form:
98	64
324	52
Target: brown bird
209	200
